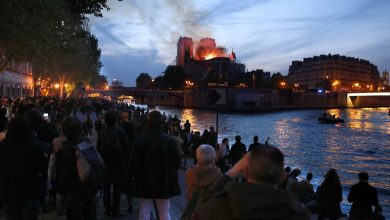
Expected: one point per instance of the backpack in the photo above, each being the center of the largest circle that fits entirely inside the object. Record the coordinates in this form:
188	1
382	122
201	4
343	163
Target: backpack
67	168
93	167
197	199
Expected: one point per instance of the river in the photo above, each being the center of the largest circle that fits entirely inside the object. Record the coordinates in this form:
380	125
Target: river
362	143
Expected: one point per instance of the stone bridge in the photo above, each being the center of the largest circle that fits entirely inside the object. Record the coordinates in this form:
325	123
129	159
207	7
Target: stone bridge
368	99
151	97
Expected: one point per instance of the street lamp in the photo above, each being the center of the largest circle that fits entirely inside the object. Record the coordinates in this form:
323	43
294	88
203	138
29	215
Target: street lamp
335	84
296	85
283	84
57	86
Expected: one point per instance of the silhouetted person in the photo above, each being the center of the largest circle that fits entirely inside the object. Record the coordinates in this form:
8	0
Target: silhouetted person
254	144
113	145
363	198
329	195
306	190
187	126
154	168
292	182
212	139
237	151
78	202
21	162
287	172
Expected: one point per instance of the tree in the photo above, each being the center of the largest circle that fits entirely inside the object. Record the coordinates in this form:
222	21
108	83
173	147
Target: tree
116	84
30	29
175	77
277	80
159	83
54	36
99	82
78	61
144	81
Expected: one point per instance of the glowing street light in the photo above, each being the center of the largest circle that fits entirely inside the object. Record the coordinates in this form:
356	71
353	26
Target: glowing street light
57	86
189	83
283	84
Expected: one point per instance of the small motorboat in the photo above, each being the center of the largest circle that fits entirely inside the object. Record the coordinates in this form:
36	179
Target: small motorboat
330	119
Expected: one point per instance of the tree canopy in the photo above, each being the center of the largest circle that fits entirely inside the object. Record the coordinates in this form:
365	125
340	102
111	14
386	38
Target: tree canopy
144	81
53	35
175	77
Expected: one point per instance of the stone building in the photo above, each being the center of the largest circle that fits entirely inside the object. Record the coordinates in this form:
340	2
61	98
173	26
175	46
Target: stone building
343	73
16	79
205	62
385	78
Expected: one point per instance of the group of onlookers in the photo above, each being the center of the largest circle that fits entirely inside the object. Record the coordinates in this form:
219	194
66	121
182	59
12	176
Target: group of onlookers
325	201
138	153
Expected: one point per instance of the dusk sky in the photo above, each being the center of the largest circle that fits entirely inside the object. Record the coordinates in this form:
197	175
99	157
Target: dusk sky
141	35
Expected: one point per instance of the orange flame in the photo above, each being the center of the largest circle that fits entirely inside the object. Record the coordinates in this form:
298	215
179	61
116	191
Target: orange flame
209	56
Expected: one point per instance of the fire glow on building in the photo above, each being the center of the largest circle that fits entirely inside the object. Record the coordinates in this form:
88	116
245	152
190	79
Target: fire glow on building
204	62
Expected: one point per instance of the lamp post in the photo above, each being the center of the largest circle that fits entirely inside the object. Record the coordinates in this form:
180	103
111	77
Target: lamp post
296	85
283	84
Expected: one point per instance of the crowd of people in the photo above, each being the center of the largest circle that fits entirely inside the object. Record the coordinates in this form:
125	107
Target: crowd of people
138	153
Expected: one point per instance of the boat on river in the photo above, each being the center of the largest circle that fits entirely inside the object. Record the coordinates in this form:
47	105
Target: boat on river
330	119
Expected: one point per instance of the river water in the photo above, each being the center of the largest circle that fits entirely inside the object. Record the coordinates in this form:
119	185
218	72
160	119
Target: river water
362	143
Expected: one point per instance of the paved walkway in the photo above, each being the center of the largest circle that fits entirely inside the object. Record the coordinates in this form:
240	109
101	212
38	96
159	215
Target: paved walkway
177	205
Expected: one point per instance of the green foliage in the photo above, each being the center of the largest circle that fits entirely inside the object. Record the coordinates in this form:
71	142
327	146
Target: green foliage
256	78
99	82
116	84
174	77
53	35
144	81
160	83
276	80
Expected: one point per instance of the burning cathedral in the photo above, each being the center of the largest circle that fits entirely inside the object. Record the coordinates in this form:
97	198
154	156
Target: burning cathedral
206	63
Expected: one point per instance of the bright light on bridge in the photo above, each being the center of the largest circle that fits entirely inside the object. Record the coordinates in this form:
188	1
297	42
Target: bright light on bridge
369	94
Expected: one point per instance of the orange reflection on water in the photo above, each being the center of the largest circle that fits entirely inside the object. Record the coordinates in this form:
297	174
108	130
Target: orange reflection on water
188	114
386	127
336	112
361	125
354	113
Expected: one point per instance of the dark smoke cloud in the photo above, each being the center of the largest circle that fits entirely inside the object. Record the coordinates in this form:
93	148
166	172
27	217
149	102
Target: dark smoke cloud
167	20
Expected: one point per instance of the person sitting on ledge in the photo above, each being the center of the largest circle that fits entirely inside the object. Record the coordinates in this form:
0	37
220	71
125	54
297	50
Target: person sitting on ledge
259	197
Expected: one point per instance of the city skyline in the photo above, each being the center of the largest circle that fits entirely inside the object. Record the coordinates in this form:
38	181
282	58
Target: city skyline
140	36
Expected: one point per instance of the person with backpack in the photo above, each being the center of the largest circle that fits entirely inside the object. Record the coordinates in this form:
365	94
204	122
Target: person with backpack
78	189
113	145
199	178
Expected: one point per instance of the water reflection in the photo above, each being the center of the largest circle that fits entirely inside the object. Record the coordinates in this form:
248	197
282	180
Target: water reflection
336	112
188	115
